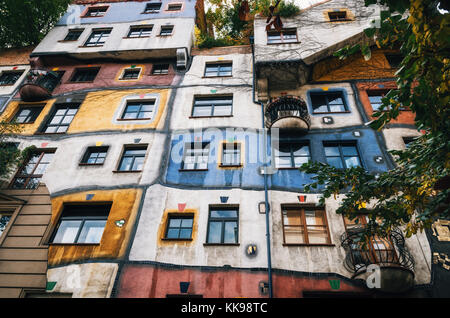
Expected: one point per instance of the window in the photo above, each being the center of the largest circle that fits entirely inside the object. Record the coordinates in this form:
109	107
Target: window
179	227
29	176
332	102
5	217
96	12
84	75
94	156
231	154
302	225
140	31
212	106
337	16
375	99
73	35
408	140
166	30
139	110
342	154
81	224
291	154
97	37
196	156
174	7
284	36
153	7
27	114
9	77
61	119
131	74
132	158
223	225
218	69
394	60
160	69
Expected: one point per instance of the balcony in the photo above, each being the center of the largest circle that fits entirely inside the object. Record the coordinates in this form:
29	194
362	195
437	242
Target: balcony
395	262
288	112
38	85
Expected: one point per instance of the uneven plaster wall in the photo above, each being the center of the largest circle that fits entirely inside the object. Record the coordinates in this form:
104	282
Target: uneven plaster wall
394	136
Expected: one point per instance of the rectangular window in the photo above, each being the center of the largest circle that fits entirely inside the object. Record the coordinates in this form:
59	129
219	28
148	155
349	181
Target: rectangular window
139	110
394	60
375	99
81	224
332	102
133	158
96	12
61	119
218	69
153	7
84	75
140	31
342	154
131	74
196	156
305	226
231	154
160	69
166	30
29	176
408	140
94	156
9	77
174	7
212	106
223	226
98	38
179	227
283	36
5	217
338	16
27	114
73	35
291	154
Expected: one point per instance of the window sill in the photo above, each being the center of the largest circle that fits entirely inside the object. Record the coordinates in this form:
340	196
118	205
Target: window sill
44	133
218	76
186	170
72	244
64	41
328	113
127	171
278	43
222	116
89	46
221	244
134	119
285	168
176	240
90	164
308	245
80	82
231	166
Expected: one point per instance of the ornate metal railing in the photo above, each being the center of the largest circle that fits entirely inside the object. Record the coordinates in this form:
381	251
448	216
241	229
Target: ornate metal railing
285	107
38	85
387	251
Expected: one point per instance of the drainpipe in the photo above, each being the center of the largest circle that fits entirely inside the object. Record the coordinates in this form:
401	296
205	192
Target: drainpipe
266	194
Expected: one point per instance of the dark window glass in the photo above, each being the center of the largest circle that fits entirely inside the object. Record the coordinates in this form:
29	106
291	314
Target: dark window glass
328	102
97	38
166	30
231	154
61	119
196	156
394	60
375	99
212	106
179	227
85	75
174	7
408	140
5	217
96	12
291	154
139	110
305	226
218	69
29	176
133	158
81	224
342	155
131	73
95	156
284	36
9	77
223	225
73	35
152	7
338	16
27	115
140	31
160	69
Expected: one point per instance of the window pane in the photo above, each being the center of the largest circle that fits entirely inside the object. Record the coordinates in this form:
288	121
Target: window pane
138	163
300	160
294	235
173	233
231	232
215	232
223	213
222	110
335	161
4	220
319	103
92	231
67	232
317	235
349	151
175	223
331	151
352	162
186	223
292	217
300	150
202	111
185	233
126	164
283	162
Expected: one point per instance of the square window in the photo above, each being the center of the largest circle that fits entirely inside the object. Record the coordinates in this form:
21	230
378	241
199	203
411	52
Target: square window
60	120
153	7
73	35
342	154
96	12
231	154
174	7
166	30
131	74
27	114
140	31
95	156
132	158
81	224
30	174
218	69
223	225
196	156
9	77
84	75
212	106
338	16
330	102
139	110
160	69
179	227
97	38
291	153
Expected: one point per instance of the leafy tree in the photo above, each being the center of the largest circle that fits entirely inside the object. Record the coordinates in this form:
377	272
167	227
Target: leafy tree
26	22
416	190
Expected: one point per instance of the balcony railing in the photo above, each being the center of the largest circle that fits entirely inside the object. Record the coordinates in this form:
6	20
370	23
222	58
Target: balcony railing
288	112
38	85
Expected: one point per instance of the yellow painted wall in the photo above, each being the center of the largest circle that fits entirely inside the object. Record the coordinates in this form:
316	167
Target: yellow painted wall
114	240
354	67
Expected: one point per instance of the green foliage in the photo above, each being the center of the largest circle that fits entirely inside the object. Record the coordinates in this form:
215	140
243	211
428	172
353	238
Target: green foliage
26	22
207	41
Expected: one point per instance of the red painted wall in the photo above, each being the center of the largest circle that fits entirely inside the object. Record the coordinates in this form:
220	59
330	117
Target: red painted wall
147	281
